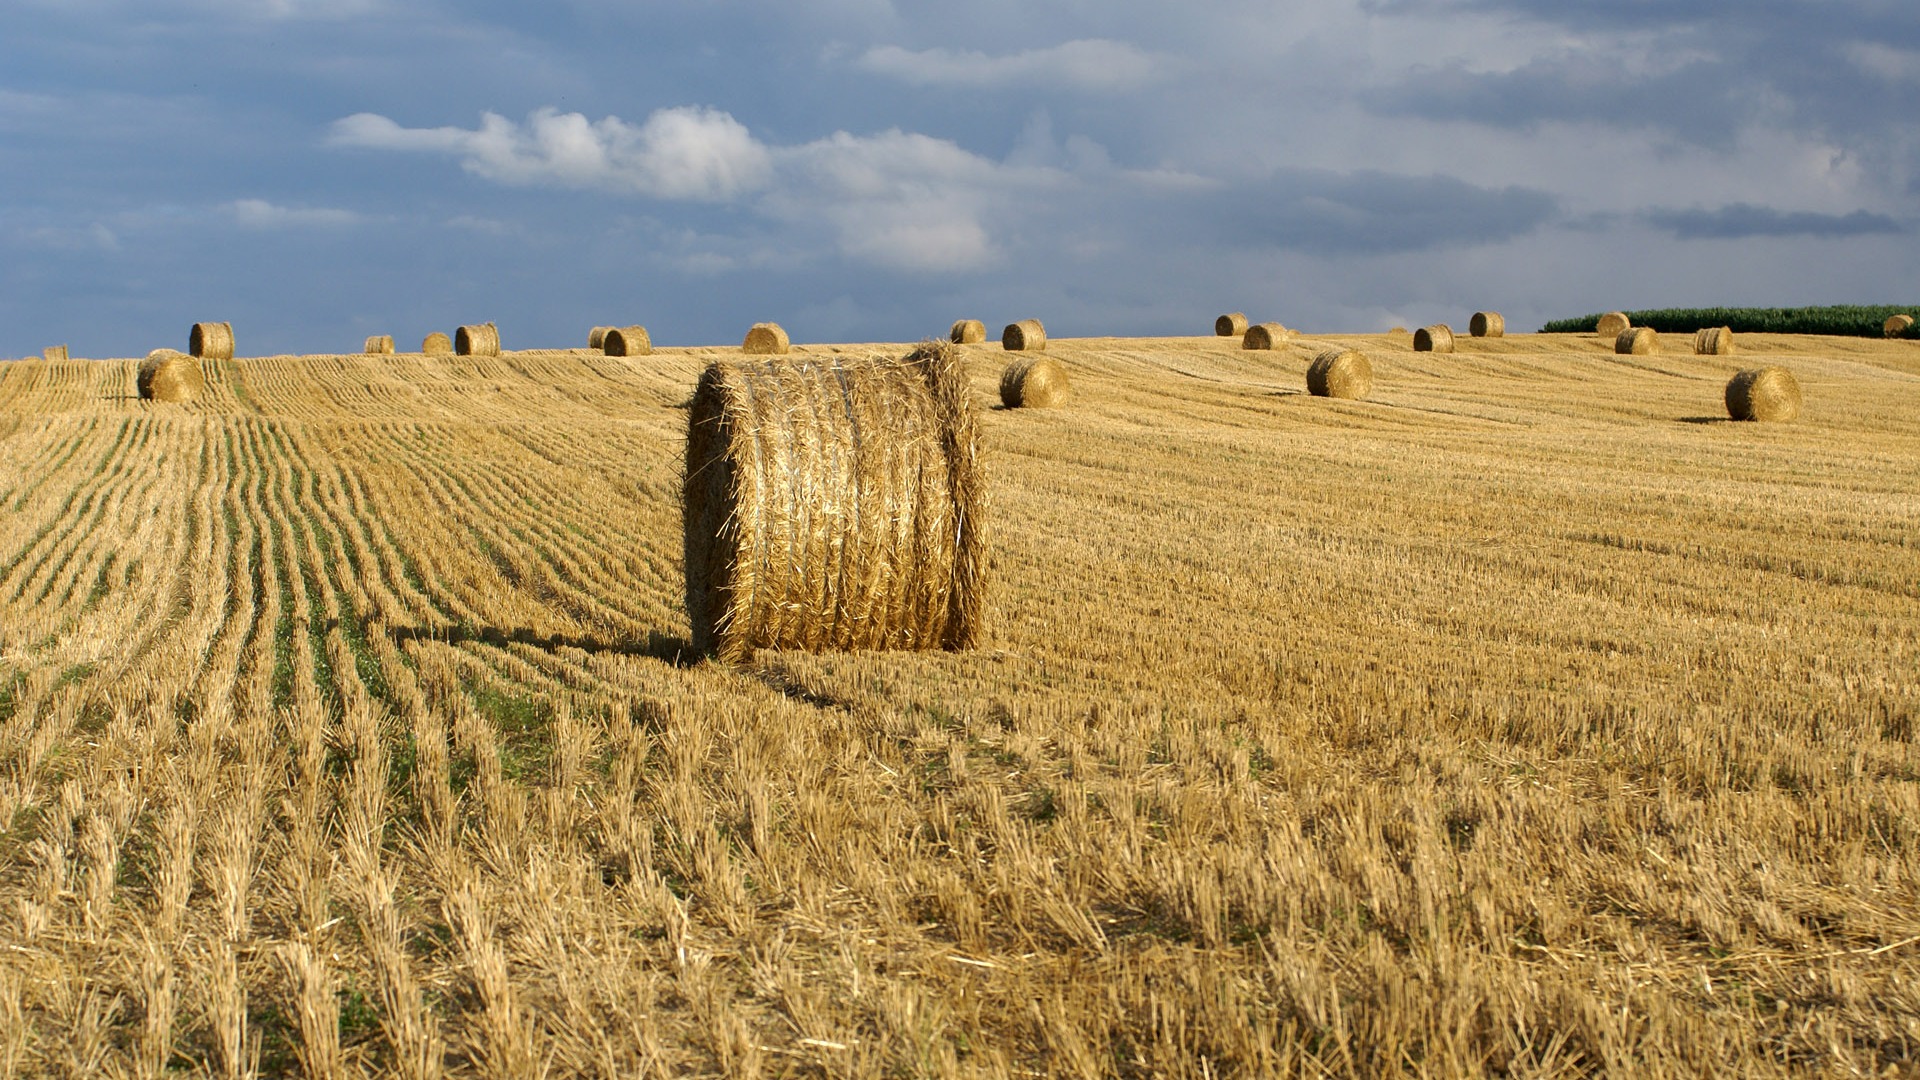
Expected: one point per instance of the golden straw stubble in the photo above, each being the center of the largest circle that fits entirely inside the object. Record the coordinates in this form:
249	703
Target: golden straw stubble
1435	338
1487	324
1340	373
1266	335
482	339
835	505
1232	324
167	375
1763	393
1637	341
967	332
627	341
1034	383
1027	335
437	344
1612	325
1713	341
211	341
766	339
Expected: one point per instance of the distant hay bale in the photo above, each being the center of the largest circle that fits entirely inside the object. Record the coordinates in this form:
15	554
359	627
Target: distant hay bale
1034	383
54	352
211	341
1713	341
766	339
1637	341
1897	325
835	504
379	345
1396	330
1764	393
1435	338
1027	335
480	340
1341	373
627	341
968	332
166	375
597	337
437	344
1487	324
1233	324
1612	324
1266	335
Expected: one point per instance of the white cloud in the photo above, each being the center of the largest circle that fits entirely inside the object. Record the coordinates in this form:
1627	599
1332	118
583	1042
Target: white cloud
1087	64
261	214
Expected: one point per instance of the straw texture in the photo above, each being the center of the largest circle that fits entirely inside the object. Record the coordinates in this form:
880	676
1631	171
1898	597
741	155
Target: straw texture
1034	383
627	341
968	332
1613	324
1637	341
379	345
1266	335
437	344
1435	338
1897	325
1027	335
766	339
1232	324
481	340
211	341
1713	341
1340	373
835	505
1487	324
166	375
597	337
1764	393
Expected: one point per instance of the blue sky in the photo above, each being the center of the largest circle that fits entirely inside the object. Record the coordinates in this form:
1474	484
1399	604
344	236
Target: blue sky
319	170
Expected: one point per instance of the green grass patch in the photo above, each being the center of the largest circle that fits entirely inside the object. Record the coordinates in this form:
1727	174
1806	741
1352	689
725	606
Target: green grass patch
1845	320
524	725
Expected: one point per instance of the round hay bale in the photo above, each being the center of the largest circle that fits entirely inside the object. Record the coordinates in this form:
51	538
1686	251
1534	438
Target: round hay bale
766	339
1613	324
1341	373
597	337
1027	335
379	345
1764	393
1034	383
627	341
481	340
1713	341
211	341
1637	341
1487	324
968	332
1266	335
835	504
54	352
437	344
1233	324
166	375
1435	338
1897	325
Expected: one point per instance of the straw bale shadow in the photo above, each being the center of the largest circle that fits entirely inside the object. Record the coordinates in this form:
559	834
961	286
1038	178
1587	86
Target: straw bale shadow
1706	420
670	648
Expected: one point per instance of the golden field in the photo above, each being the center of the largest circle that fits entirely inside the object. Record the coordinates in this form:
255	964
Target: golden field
1526	719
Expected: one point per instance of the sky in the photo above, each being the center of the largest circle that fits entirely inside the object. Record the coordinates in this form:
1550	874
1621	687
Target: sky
316	171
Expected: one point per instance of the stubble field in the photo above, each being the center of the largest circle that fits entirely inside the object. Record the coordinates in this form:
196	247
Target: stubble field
1528	718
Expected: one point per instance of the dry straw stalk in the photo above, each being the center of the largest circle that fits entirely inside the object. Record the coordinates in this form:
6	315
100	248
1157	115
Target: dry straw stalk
835	505
1340	373
1435	338
1266	335
1232	324
1763	393
1637	341
1897	325
1613	324
1035	382
1487	324
211	341
437	344
166	375
379	345
480	340
597	337
627	341
766	339
1713	341
1027	335
967	332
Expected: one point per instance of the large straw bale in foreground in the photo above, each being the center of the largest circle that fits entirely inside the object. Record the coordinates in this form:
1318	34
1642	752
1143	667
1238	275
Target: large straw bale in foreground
627	341
1264	336
1764	393
1637	341
1713	341
437	344
1612	325
1897	325
1435	338
1034	383
1027	335
379	345
1487	324
1232	324
967	332
766	339
211	341
835	505
480	340
166	375
1341	373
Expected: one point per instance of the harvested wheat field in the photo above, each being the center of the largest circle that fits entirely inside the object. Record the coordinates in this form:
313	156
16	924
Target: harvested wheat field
1529	717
